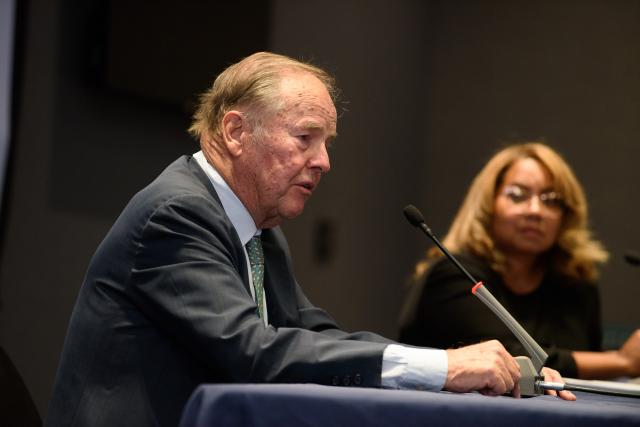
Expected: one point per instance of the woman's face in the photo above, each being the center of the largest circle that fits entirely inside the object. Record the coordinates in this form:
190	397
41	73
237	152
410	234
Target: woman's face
527	211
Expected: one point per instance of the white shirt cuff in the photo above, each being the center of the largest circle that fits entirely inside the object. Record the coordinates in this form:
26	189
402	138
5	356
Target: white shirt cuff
414	368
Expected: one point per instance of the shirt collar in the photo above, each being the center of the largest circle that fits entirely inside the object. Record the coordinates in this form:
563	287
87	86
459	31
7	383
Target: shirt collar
233	207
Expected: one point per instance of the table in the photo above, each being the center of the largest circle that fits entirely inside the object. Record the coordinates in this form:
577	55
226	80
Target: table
316	405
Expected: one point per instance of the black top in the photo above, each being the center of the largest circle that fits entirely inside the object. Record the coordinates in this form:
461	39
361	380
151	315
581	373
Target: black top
561	315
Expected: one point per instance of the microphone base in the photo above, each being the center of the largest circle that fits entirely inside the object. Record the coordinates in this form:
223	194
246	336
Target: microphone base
529	378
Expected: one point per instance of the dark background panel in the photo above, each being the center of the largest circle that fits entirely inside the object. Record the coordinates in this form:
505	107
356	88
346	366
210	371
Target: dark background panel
128	77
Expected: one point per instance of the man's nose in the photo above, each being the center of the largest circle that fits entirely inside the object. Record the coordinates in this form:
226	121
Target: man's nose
320	158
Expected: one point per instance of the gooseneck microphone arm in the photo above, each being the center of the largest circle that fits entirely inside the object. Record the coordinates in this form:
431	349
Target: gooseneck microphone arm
633	258
415	218
530	367
536	353
531	382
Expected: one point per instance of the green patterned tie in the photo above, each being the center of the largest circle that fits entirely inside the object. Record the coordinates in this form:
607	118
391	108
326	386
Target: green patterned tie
256	259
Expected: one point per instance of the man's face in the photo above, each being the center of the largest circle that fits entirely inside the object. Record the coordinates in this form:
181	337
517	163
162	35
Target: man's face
285	159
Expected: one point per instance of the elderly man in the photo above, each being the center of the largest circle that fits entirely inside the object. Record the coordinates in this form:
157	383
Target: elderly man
194	282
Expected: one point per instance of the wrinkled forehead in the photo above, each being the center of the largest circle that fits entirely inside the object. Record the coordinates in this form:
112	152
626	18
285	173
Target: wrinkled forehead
306	94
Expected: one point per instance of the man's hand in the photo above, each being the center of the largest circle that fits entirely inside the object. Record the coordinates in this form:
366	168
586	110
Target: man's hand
486	367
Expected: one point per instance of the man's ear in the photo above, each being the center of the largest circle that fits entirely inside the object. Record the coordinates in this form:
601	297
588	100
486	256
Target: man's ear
234	124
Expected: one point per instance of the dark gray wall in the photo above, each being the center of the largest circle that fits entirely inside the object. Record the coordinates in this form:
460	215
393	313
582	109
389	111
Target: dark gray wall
375	51
432	87
567	71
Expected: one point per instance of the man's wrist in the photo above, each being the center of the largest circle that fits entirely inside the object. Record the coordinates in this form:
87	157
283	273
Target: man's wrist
406	367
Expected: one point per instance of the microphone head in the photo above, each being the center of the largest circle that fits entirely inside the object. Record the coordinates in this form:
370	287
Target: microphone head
413	215
632	258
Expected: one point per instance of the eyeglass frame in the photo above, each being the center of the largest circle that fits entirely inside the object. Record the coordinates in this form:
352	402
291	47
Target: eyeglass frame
549	199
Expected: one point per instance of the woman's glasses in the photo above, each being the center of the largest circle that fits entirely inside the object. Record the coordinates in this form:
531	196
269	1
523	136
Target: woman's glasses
519	195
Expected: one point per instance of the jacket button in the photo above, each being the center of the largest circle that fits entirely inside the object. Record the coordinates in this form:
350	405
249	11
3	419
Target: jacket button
346	380
357	379
335	380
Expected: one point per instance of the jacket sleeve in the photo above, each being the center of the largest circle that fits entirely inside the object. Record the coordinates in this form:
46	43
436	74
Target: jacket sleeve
187	279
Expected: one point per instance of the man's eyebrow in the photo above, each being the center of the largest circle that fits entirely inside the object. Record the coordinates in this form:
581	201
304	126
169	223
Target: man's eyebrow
310	124
314	125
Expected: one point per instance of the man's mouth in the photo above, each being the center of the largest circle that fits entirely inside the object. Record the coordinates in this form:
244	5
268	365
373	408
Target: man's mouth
307	185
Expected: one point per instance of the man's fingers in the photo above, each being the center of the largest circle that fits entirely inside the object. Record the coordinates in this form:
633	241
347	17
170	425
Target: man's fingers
486	367
516	391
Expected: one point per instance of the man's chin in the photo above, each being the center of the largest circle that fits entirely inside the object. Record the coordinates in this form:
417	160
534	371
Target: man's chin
291	214
277	216
292	210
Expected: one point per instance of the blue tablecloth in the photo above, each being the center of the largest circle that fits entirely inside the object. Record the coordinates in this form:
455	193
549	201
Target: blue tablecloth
315	405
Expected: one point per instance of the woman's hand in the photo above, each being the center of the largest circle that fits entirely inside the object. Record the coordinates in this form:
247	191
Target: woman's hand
554	376
630	352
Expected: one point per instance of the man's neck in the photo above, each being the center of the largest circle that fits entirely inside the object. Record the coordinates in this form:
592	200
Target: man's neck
227	170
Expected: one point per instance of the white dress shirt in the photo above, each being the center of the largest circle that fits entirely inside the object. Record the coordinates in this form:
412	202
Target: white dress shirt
239	216
402	367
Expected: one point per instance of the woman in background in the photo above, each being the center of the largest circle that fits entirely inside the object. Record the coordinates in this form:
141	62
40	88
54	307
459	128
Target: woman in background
522	230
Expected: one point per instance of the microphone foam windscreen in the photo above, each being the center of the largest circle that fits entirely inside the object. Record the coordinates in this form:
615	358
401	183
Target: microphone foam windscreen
413	215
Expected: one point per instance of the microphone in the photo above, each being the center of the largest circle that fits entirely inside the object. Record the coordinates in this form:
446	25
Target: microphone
530	367
531	382
415	218
632	258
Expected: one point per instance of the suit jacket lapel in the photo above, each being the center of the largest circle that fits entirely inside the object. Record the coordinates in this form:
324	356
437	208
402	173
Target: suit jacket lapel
279	283
199	174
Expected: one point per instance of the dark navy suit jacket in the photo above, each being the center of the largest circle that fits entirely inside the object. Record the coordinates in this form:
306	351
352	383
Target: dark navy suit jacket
166	305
